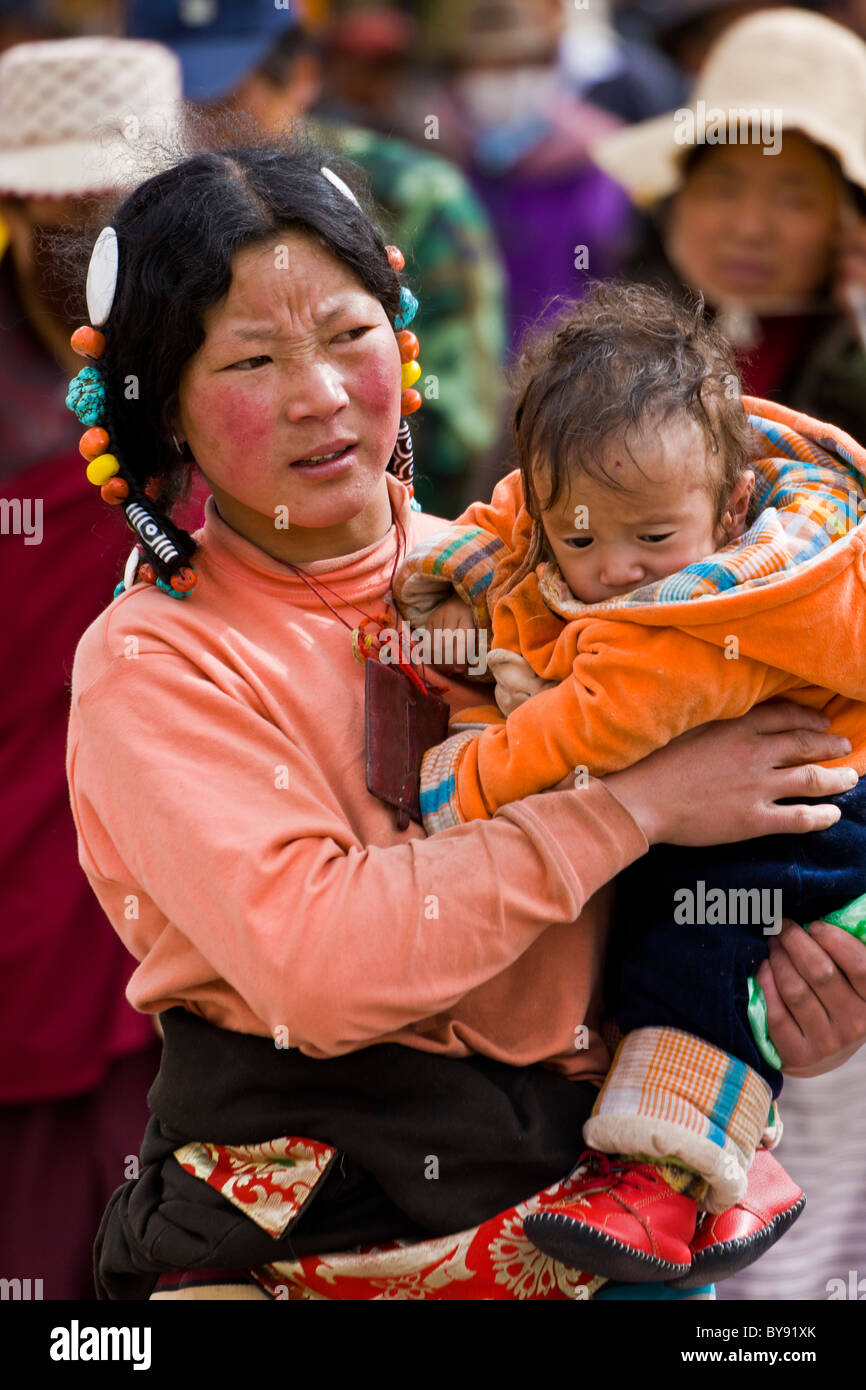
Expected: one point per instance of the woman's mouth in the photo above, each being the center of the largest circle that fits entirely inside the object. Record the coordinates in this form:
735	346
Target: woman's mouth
746	274
327	465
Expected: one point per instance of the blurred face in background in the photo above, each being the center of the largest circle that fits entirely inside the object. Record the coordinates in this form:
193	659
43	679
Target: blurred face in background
757	230
48	286
274	102
32	224
507	64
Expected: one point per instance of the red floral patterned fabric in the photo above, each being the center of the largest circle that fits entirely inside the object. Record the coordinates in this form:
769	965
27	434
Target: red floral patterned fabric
493	1261
269	1182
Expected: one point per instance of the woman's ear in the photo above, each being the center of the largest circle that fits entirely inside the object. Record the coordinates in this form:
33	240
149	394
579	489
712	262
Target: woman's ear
171	423
734	519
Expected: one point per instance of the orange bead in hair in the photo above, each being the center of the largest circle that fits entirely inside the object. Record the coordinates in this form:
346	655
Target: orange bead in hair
396	259
147	574
184	580
410	401
408	345
88	342
115	491
93	443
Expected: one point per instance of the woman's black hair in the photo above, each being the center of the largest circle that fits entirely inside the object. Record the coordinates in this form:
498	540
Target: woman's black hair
177	235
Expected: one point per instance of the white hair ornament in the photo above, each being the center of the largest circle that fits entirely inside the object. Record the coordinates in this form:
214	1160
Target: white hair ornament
338	183
102	277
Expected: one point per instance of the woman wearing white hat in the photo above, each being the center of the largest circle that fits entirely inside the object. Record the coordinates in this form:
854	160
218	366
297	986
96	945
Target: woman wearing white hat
757	193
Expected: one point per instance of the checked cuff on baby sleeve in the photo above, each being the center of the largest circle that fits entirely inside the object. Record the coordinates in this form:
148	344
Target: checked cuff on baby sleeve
461	559
669	1094
440	809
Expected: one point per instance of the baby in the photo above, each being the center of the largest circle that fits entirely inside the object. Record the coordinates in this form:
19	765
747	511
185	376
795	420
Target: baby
661	559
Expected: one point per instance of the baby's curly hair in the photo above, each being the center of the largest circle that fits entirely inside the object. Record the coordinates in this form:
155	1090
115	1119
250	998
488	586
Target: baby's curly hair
624	358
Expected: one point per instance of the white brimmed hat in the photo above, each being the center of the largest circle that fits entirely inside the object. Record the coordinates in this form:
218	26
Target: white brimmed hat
801	65
75	114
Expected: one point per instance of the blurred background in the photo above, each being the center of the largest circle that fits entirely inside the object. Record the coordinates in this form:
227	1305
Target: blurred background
514	149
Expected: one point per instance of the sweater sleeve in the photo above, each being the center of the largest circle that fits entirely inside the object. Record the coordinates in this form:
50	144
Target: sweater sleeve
630	691
240	852
484	546
504	516
461	560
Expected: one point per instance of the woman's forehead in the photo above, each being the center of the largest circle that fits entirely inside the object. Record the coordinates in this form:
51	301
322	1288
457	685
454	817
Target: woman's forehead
292	275
798	160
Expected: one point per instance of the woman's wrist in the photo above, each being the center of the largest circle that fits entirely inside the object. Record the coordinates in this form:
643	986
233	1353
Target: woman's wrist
631	791
738	778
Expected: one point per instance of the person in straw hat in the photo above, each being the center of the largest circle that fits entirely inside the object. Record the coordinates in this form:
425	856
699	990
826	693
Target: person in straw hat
79	1060
74	116
756	193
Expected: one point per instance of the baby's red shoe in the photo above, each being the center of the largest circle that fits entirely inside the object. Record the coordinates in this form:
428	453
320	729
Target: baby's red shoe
622	1220
728	1242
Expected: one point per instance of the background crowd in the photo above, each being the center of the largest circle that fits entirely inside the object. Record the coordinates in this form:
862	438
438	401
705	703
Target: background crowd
514	149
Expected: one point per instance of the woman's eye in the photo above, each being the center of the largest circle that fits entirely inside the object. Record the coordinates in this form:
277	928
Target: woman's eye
352	335
717	188
579	542
796	201
249	362
655	539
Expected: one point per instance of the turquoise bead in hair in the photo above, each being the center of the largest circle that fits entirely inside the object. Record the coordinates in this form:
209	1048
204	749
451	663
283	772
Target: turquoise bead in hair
86	396
408	308
167	589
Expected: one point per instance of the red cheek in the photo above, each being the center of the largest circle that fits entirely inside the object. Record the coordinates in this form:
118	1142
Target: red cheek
377	381
232	418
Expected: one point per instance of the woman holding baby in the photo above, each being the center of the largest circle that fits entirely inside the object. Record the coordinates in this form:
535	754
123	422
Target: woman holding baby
406	1026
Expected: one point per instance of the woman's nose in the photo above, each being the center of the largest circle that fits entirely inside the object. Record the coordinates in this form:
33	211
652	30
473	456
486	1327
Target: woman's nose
315	390
750	219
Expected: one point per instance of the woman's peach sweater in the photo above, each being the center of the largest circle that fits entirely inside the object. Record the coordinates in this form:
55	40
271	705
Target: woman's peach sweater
216	771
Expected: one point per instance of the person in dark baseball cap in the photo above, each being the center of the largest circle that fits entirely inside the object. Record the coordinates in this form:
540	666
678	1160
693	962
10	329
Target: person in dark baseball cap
217	41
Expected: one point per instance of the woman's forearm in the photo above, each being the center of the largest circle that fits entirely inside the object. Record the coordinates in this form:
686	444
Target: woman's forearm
211	874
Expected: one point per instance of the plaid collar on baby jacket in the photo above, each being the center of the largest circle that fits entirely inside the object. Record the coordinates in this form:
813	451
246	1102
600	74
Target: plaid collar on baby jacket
807	495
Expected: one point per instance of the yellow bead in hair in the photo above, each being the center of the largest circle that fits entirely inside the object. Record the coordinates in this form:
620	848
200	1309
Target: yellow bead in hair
409	374
100	469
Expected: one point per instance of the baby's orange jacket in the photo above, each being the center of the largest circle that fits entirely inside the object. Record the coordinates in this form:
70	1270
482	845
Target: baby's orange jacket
780	612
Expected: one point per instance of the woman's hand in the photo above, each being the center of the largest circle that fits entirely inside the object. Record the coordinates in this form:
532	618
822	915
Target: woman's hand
815	987
720	783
